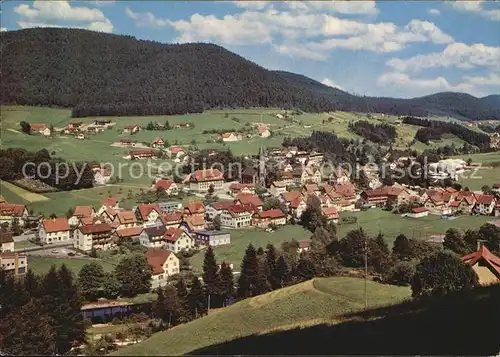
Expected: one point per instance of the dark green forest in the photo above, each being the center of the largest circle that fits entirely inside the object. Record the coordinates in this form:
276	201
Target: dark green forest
103	74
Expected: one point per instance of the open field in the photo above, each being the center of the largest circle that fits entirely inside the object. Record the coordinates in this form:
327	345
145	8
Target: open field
24	244
300	305
21	192
11	196
41	265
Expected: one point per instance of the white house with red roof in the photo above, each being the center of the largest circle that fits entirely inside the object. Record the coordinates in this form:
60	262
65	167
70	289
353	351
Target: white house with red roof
11	211
331	214
171	219
265	218
158	143
485	204
131	128
177	239
94	236
175	151
418	212
153	237
254	200
125	219
214	209
81	212
168	186
237	188
230	137
164	263
201	180
485	264
40	129
54	230
303	246
148	214
237	215
297	207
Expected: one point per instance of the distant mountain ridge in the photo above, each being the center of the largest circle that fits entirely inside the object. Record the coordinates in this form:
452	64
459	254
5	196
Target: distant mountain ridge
103	74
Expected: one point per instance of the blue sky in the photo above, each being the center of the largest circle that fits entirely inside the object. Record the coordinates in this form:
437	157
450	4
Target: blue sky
390	48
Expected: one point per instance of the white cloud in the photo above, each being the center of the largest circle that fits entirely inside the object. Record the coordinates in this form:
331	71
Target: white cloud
340	7
492	79
61	14
256	5
478	8
146	19
429	31
331	83
456	54
421	85
102	3
434	12
2	29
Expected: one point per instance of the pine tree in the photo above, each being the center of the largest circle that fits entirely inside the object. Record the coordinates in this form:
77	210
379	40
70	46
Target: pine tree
211	276
382	244
248	274
281	273
173	307
160	305
196	299
262	284
90	280
182	294
401	248
226	282
270	262
305	268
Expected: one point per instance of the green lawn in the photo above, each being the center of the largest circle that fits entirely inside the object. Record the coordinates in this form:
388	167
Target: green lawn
304	304
24	244
41	265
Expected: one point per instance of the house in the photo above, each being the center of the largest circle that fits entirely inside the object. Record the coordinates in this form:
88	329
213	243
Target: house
108	215
6	242
215	209
193	223
297	207
131	128
289	197
171	219
279	116
164	264
230	137
310	189
286	177
464	204
254	200
485	204
54	230
305	175
81	212
79	136
418	212
303	246
148	213
175	151
128	142
277	188
249	175
168	186
111	202
13	263
40	129
153	237
201	180
177	239
102	175
331	214
127	234
158	143
237	215
496	188
125	219
102	122
374	197
94	236
265	218
10	212
194	208
263	132
213	238
141	154
170	206
237	188
485	264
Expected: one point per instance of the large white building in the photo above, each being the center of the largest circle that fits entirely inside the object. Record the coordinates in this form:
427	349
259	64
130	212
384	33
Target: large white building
54	230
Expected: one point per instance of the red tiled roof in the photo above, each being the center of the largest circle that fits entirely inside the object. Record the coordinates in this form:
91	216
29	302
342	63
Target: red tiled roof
330	211
164	184
38	126
158	140
172	217
194	221
96	228
311	187
296	202
488	257
83	211
304	244
206	175
227	135
455	204
239	186
126	217
52	225
195	207
291	196
272	213
345	189
221	205
6	237
175	149
172	234
485	199
156	258
11	209
245	198
419	210
141	152
110	201
129	232
146	209
236	209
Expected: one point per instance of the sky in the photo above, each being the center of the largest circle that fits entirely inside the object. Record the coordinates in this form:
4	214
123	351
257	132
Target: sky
377	48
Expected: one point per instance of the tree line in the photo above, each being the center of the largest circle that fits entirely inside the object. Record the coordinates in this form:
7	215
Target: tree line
377	133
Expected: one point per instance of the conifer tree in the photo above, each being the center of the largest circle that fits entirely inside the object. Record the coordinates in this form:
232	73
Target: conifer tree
182	294
270	264
382	244
249	273
196	299
160	305
281	273
401	248
226	282
211	277
173	307
305	268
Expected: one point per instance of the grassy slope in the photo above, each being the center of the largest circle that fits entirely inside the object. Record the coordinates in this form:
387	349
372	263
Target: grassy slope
300	305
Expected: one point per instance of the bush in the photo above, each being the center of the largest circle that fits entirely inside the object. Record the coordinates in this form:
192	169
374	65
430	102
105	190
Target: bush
142	317
87	323
116	321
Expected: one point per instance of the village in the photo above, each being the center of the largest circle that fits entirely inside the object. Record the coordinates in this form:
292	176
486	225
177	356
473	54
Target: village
170	227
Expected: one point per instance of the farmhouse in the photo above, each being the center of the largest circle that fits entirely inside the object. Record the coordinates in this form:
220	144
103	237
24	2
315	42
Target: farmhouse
54	230
214	209
164	264
153	237
131	128
40	129
127	234
175	151
201	180
230	137
6	242
418	212
148	213
125	219
265	218
237	215
237	188
168	186
10	212
485	204
213	238
141	154
158	143
171	219
13	263
331	214
79	213
177	239
485	264
94	236
254	200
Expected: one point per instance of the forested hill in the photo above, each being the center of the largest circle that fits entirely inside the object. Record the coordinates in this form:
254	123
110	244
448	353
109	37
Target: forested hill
103	74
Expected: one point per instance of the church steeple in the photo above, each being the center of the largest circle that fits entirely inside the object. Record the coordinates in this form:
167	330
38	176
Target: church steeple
262	167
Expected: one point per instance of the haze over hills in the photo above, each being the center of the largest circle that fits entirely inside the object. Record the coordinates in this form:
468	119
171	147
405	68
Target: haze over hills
103	74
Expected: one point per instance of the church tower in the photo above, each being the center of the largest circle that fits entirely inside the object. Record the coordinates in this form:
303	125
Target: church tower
262	172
